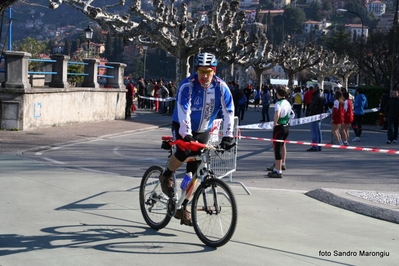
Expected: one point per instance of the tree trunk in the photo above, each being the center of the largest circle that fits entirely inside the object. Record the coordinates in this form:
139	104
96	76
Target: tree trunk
241	76
182	68
290	80
232	72
320	80
259	77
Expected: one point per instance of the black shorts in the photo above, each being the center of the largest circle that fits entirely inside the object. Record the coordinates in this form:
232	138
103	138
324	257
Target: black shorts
280	132
201	137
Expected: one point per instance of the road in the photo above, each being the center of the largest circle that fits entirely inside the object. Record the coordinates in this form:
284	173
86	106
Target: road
131	154
76	202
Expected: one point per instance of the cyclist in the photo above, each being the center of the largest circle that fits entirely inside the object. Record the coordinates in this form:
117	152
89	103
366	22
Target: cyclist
200	99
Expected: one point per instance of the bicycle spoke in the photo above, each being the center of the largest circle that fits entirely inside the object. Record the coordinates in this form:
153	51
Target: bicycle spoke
214	223
153	203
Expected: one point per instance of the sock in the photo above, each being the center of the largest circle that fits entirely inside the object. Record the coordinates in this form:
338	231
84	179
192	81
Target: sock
167	172
277	171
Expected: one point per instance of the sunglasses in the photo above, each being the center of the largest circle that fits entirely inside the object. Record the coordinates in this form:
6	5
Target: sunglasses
203	72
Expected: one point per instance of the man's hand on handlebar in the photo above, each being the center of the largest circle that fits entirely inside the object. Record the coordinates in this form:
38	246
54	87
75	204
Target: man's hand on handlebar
227	143
188	138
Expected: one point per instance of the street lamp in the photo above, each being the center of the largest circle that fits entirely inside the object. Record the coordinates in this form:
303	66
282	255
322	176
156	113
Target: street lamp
145	58
341	11
89	36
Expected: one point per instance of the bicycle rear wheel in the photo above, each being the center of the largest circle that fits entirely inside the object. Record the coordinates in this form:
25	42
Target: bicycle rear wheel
214	212
153	203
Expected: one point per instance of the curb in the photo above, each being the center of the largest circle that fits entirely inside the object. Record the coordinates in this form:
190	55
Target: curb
355	206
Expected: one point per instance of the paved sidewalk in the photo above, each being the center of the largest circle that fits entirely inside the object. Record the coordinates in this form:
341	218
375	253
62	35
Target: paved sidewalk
13	141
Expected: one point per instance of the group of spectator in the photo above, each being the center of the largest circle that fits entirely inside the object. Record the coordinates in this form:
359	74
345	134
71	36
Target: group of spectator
156	90
346	110
345	113
261	97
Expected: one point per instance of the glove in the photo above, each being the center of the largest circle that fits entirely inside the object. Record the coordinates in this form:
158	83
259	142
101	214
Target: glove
227	143
188	138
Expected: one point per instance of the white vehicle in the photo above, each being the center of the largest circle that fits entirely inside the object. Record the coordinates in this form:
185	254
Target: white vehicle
327	85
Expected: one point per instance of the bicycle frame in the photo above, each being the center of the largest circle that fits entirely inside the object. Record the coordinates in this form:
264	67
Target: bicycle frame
213	205
200	173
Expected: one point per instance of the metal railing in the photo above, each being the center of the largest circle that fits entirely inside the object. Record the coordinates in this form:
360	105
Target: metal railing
58	73
224	165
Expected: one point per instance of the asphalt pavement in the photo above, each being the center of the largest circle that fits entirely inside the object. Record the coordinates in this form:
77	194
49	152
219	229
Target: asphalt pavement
55	215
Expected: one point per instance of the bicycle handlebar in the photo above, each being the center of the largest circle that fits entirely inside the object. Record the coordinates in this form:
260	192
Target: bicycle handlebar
192	145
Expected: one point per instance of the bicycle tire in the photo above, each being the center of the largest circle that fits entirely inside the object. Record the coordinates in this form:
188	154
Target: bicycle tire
214	229
153	203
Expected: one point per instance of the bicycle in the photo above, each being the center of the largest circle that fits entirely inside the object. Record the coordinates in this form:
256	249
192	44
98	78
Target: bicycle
213	205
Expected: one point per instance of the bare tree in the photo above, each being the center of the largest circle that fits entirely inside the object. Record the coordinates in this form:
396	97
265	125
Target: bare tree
6	3
261	56
264	60
293	59
249	51
168	28
379	60
346	69
329	66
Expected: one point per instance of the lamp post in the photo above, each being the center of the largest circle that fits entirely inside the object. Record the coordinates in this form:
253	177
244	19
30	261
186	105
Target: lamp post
341	11
89	36
145	58
10	30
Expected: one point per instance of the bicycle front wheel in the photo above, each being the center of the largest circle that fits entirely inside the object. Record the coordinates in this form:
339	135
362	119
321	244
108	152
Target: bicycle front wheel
153	203
214	212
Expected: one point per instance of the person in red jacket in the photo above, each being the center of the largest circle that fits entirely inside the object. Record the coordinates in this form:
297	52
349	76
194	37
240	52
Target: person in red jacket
307	98
338	114
348	117
129	99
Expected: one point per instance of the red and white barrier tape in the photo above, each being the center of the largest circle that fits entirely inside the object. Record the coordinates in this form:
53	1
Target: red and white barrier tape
297	121
168	99
293	122
325	145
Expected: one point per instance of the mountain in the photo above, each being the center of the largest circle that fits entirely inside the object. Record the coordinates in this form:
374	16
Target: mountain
34	19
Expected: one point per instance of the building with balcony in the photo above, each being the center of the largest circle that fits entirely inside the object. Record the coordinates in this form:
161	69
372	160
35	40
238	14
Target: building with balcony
245	4
355	31
279	4
377	8
312	26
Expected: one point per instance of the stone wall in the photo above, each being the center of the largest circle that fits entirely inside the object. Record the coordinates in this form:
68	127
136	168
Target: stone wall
25	107
46	108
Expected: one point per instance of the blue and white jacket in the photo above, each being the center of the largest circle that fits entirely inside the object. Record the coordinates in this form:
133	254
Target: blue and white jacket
360	104
196	108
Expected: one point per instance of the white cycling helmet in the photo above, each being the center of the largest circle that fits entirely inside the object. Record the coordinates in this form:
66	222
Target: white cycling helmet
206	60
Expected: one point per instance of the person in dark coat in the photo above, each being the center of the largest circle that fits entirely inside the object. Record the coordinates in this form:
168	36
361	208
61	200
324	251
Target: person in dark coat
316	107
129	99
172	93
392	116
383	104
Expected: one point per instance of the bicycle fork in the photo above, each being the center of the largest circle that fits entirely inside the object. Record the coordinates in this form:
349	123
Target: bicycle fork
213	190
